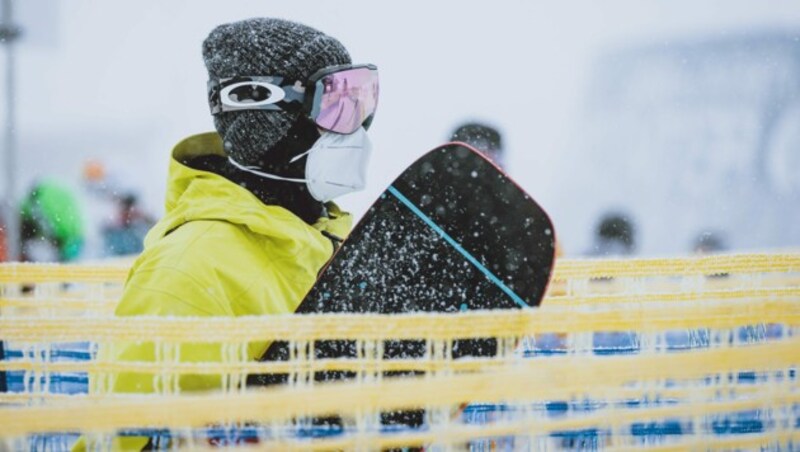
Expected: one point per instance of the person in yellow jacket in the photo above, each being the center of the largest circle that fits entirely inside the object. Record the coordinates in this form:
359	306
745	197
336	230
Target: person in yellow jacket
249	220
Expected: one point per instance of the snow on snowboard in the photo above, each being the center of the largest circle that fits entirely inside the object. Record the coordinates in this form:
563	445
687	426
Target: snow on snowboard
451	233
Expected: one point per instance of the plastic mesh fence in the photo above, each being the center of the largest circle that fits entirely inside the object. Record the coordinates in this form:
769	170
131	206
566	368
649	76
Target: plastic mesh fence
622	354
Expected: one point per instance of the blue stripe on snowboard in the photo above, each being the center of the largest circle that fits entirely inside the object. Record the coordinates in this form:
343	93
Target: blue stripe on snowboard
458	247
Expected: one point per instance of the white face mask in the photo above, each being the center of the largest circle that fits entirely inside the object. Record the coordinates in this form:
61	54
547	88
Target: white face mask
336	165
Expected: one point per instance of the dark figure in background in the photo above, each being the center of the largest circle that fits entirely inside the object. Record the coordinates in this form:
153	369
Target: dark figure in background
482	137
708	242
126	235
615	236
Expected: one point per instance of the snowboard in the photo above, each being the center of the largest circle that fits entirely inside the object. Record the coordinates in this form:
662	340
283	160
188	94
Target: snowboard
452	233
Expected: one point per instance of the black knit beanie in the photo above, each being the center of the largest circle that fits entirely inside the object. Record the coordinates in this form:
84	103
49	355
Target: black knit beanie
260	47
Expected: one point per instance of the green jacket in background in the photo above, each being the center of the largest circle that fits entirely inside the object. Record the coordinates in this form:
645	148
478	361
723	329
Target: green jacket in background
53	213
219	251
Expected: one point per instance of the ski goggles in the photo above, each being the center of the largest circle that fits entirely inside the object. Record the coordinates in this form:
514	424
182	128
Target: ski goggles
338	98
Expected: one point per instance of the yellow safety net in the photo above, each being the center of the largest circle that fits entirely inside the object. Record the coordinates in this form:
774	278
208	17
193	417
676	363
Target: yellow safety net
661	354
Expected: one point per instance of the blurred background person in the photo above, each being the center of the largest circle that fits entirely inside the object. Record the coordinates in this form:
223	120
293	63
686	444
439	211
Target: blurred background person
615	236
51	225
482	137
97	200
116	222
124	236
708	242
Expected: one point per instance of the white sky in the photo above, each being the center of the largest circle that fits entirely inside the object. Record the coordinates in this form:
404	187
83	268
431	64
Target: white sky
124	80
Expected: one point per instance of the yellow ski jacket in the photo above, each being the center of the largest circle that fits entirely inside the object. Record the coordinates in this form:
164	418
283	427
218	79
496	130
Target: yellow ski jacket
218	251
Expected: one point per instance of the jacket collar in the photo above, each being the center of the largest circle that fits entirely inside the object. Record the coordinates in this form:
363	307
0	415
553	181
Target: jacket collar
194	194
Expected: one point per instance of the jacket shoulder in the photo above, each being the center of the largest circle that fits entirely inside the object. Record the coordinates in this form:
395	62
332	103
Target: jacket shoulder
197	269
206	242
